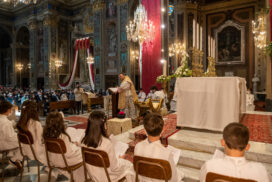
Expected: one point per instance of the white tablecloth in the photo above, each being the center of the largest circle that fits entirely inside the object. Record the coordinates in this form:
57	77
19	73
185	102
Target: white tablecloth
210	102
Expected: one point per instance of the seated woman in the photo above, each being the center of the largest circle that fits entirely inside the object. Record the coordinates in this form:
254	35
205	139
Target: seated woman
96	138
29	121
55	128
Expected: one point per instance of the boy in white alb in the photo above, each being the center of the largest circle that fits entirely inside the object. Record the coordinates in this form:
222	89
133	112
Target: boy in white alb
233	163
8	137
152	147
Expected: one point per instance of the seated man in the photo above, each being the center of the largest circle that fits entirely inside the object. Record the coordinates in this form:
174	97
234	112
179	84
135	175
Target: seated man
161	95
141	95
151	94
8	137
233	163
152	147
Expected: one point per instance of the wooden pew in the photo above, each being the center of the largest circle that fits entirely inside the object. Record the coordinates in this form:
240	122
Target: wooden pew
63	105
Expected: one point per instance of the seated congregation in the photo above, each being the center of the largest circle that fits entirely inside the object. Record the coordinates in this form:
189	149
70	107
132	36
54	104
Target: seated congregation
94	157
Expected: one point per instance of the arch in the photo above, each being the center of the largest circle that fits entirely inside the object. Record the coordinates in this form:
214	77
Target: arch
5	56
22	57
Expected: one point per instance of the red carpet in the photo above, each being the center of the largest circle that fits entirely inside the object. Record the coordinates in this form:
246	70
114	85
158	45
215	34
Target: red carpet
260	127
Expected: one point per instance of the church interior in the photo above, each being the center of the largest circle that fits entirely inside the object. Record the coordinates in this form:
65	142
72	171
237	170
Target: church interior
197	66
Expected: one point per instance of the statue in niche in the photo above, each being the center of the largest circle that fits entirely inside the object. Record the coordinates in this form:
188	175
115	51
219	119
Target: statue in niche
111	66
112	39
111	10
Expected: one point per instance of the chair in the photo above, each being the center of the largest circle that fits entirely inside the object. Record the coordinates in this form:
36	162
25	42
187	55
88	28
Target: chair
156	105
25	137
4	156
214	177
96	158
142	108
57	146
152	168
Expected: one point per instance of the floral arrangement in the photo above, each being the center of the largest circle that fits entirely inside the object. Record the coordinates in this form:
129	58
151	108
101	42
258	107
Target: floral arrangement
182	71
163	78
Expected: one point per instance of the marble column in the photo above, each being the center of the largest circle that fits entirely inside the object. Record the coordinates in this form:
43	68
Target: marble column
32	52
49	38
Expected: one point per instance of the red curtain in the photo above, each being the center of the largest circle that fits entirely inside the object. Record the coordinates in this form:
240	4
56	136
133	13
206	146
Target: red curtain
152	67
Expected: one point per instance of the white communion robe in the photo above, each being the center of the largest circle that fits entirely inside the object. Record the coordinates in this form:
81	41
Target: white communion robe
141	96
8	138
157	151
36	130
73	156
118	169
237	167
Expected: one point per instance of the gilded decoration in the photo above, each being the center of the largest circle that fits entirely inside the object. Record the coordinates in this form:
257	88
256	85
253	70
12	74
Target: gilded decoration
88	25
98	5
32	26
121	1
49	21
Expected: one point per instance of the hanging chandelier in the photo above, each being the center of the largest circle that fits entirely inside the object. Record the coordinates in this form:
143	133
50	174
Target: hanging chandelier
140	29
259	31
17	2
177	49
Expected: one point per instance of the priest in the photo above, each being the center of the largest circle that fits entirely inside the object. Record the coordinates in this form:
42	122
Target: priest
127	96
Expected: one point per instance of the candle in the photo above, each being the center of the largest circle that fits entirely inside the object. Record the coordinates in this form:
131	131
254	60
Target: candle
193	33
209	45
201	38
197	36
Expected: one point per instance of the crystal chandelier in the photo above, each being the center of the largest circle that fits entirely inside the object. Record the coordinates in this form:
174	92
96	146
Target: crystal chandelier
90	60
17	2
258	29
140	30
177	49
58	63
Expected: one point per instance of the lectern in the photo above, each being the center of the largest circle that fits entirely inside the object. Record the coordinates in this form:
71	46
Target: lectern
114	100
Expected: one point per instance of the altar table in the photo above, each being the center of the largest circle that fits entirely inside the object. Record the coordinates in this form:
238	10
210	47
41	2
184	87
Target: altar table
210	102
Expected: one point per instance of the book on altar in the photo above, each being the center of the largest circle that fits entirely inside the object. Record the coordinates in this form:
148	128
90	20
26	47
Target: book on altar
176	153
113	89
120	148
75	134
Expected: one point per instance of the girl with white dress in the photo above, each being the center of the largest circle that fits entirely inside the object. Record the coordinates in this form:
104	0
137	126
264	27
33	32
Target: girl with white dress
96	138
29	121
55	128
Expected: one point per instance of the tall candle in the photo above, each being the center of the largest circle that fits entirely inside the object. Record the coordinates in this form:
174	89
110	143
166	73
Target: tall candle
201	38
193	33
197	36
209	45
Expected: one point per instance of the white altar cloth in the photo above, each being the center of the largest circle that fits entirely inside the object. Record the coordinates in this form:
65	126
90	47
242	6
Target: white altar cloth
210	102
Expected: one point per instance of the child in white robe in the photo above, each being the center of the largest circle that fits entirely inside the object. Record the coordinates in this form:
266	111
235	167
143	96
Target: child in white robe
233	163
29	121
152	147
96	138
55	128
8	136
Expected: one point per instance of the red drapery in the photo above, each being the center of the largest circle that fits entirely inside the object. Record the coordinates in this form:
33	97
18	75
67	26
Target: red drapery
152	66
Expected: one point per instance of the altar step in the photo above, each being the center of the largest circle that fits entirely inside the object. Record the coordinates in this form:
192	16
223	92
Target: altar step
198	146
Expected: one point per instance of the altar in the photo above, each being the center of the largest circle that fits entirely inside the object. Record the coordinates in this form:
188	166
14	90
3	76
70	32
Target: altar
209	102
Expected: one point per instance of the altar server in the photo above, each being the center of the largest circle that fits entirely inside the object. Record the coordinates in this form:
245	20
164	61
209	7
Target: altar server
152	147
233	162
55	128
8	137
141	95
29	121
96	138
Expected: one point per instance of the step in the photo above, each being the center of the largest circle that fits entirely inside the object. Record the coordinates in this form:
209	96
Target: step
190	174
194	159
209	141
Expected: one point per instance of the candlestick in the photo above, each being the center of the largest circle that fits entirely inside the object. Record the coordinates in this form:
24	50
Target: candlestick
201	38
197	36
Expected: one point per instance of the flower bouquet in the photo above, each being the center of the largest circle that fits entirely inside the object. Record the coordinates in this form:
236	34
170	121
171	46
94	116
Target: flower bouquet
121	115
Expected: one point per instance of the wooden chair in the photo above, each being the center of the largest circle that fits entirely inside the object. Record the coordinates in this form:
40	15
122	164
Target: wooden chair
142	108
4	154
25	137
156	105
57	146
152	168
214	177
96	158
